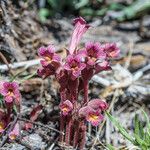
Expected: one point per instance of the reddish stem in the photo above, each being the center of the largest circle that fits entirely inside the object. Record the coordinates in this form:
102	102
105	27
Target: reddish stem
83	136
86	86
9	111
76	134
63	93
62	119
68	130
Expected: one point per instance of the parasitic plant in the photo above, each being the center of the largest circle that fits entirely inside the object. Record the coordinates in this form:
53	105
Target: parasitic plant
73	74
10	102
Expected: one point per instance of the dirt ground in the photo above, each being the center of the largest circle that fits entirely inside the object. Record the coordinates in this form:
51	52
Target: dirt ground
126	88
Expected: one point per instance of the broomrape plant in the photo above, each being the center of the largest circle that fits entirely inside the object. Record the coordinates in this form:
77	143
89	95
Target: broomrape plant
11	98
73	74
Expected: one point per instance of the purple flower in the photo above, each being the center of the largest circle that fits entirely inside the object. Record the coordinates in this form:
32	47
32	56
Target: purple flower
94	117
93	52
10	91
49	56
91	115
74	66
111	50
83	111
14	133
80	28
98	104
66	107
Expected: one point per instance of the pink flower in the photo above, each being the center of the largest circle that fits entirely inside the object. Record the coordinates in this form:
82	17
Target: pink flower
14	133
46	71
49	56
74	66
83	111
10	91
94	117
80	28
97	104
111	50
93	52
66	107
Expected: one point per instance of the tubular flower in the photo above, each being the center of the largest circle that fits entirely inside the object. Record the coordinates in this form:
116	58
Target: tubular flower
14	133
10	91
66	107
80	28
49	56
94	117
111	50
74	66
97	104
93	52
84	111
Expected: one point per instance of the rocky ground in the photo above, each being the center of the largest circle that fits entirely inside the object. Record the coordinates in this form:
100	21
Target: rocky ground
126	88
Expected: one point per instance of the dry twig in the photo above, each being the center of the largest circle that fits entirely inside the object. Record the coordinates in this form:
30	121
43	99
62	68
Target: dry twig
24	144
40	124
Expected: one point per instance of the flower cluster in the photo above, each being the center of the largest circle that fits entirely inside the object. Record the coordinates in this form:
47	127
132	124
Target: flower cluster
11	97
73	74
50	61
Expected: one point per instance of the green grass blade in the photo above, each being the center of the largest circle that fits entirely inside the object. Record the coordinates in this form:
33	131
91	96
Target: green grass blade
121	129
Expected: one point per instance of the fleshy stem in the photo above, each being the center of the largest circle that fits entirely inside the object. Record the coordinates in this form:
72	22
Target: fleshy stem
68	130
70	121
76	134
86	86
83	136
62	118
9	111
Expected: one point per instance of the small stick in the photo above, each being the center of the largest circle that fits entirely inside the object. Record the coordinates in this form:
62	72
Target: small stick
25	64
6	62
24	144
53	144
40	124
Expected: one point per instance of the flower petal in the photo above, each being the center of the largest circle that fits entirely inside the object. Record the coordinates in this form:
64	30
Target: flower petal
41	51
80	28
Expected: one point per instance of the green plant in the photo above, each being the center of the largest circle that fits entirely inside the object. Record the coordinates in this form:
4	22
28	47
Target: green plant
141	133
